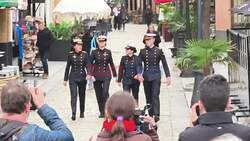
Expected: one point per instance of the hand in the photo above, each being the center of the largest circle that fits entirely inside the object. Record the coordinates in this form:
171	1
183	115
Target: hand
140	78
65	83
194	114
38	96
88	77
168	81
149	120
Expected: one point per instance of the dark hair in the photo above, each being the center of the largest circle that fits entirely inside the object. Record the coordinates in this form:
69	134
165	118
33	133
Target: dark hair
120	104
14	96
214	93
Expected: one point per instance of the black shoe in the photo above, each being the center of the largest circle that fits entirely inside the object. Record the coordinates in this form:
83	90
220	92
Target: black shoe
81	115
157	118
101	115
73	117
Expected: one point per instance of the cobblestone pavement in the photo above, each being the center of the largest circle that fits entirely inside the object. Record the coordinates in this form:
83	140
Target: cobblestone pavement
174	107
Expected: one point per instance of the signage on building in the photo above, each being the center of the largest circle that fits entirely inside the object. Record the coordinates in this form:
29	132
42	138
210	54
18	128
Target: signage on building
8	3
22	4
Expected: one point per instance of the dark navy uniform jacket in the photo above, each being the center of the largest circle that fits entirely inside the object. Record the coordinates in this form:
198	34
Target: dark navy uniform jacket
213	124
128	69
102	64
151	58
77	63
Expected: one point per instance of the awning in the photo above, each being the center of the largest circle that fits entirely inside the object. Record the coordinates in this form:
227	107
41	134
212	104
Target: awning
8	3
164	1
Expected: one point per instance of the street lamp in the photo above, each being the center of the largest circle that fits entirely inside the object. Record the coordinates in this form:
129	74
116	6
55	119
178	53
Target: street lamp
200	19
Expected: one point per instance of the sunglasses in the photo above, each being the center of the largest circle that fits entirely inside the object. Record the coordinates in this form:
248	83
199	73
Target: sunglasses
102	40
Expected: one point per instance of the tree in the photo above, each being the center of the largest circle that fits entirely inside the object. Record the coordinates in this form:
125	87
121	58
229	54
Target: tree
206	19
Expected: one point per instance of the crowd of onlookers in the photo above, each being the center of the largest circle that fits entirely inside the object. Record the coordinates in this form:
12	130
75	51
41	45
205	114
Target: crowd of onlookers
211	118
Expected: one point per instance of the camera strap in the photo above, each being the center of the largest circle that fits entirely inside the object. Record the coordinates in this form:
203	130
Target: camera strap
9	130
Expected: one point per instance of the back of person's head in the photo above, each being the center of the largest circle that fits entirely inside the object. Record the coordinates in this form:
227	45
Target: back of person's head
227	137
14	97
214	93
120	105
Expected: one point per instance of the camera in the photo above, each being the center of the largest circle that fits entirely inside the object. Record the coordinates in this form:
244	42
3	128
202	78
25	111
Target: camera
33	106
140	124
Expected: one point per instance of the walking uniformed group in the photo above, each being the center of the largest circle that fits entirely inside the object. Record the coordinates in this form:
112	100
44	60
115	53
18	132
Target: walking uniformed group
133	70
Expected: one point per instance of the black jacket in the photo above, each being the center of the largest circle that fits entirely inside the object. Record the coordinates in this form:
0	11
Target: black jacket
102	64
214	124
44	39
77	64
151	58
128	69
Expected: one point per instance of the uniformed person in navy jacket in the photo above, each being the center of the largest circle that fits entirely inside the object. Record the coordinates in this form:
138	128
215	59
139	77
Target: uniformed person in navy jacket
77	64
128	71
151	57
102	64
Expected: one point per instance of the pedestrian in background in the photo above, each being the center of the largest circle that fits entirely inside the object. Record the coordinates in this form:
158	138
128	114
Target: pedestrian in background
148	15
123	17
128	70
44	41
151	57
151	29
102	64
116	17
78	61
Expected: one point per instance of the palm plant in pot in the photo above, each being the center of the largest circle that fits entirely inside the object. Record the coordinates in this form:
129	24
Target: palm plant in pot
199	57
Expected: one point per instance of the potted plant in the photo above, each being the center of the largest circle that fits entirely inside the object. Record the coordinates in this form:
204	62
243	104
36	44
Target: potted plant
61	46
199	57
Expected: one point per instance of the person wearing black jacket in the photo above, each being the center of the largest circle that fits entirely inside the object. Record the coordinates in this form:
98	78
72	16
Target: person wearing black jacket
151	57
151	29
44	41
102	64
78	61
127	73
214	118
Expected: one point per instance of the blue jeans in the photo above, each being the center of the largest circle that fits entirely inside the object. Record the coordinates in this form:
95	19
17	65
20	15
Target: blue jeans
44	58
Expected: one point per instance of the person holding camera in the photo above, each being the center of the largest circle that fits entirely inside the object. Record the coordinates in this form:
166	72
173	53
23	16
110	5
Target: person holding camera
119	124
78	61
214	119
16	102
128	70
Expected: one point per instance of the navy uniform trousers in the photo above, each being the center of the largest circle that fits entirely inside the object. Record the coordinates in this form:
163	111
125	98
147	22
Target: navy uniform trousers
77	64
102	64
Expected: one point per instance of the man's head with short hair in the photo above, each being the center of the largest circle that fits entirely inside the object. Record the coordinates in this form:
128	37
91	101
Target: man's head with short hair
214	93
14	98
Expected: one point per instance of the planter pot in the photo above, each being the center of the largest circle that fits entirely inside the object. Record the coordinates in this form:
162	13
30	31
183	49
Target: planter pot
59	50
8	53
167	35
198	77
186	73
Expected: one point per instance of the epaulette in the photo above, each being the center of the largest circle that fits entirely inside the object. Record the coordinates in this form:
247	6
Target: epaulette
71	52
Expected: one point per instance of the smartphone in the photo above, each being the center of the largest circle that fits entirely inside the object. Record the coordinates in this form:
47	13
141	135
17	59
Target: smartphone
33	106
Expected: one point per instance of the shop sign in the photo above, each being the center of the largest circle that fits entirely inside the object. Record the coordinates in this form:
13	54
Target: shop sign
8	3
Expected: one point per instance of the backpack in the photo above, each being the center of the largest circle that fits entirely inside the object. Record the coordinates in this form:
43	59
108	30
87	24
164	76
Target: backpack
10	130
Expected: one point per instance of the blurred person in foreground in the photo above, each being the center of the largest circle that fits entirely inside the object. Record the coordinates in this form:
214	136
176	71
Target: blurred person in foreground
16	102
214	119
120	125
